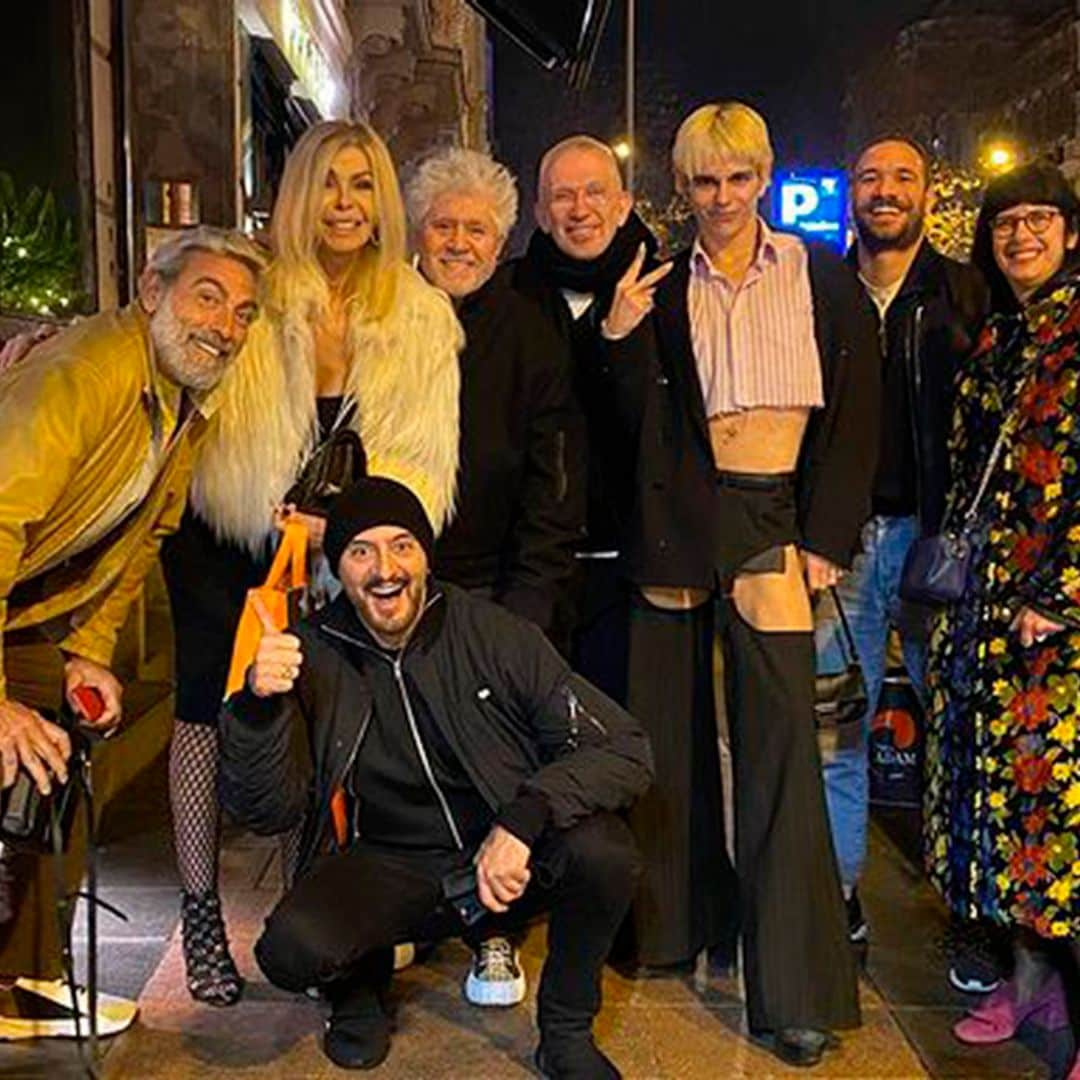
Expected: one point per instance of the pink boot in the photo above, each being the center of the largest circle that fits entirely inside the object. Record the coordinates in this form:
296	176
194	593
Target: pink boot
997	1018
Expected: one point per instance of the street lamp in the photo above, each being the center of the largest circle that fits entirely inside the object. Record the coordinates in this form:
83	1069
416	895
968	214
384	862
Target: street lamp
999	157
622	149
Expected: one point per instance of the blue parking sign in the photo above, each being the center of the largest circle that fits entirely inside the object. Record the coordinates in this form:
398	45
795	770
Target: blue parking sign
812	202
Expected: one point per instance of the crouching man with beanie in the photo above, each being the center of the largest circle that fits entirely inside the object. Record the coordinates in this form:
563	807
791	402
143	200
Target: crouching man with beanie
422	734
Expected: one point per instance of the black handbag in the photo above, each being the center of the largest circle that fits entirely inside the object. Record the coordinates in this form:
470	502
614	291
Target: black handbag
32	822
840	697
337	463
935	569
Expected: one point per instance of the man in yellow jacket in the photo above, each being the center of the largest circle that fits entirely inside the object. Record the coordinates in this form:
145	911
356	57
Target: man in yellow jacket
97	433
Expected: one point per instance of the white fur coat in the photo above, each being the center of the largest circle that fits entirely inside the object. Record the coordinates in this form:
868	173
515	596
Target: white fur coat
404	376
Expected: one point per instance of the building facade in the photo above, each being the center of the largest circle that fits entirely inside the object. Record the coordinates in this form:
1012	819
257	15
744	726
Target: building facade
179	112
976	74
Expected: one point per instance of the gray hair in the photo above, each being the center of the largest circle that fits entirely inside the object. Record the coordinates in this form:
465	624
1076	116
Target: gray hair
458	170
168	259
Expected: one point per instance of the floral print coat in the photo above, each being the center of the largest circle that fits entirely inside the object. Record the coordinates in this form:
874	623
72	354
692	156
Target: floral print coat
1003	758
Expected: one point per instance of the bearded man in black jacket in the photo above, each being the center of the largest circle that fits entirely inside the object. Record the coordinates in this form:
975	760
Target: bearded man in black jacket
588	234
424	735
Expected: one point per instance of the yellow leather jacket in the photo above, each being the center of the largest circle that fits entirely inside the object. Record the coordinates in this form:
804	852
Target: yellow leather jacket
76	423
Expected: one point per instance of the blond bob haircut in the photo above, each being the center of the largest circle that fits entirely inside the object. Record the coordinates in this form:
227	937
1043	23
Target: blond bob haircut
463	172
296	276
727	129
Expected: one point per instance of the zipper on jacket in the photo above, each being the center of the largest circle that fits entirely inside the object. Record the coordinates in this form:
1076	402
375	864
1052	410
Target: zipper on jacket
916	404
343	782
429	772
410	717
575	709
562	481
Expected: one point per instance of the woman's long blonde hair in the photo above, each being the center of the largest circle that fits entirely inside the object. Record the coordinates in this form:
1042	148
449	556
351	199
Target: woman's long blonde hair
296	279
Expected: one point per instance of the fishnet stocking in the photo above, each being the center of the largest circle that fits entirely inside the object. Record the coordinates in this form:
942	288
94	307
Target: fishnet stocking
193	764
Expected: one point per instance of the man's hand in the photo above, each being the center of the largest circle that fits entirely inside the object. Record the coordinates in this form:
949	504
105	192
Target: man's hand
79	671
820	573
502	869
1033	628
633	298
315	525
277	659
17	347
29	740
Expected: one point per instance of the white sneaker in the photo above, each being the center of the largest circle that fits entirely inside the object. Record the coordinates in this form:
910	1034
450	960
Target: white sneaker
46	1012
495	978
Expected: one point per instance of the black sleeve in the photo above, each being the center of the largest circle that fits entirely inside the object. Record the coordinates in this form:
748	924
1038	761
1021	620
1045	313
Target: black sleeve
629	362
551	507
265	768
596	756
839	452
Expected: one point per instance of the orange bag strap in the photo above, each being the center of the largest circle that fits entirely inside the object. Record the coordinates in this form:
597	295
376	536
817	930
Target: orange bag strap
289	568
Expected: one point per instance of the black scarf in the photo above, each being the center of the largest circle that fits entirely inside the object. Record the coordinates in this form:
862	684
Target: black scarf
597	276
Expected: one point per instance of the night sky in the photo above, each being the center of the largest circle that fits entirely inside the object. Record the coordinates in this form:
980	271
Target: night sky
788	58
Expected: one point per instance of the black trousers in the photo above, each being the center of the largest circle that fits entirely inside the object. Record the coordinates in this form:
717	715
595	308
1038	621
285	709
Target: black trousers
784	891
687	898
600	640
339	922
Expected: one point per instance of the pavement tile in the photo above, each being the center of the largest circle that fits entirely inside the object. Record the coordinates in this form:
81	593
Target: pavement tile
698	1044
930	1032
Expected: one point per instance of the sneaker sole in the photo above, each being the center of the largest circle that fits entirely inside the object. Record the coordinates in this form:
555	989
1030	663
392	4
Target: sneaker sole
972	986
494	995
859	935
114	1014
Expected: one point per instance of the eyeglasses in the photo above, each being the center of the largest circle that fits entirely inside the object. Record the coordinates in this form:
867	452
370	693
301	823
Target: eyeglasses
1037	222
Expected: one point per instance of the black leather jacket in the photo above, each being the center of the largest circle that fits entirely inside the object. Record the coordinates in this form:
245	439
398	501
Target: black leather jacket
930	326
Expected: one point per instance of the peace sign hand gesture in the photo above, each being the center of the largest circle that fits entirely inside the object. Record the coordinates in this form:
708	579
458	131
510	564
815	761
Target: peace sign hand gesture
277	660
633	298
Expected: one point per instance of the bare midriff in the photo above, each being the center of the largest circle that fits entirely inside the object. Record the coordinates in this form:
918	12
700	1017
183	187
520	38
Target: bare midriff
758	440
763	441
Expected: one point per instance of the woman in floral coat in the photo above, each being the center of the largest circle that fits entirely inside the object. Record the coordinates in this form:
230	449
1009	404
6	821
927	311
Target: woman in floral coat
1003	800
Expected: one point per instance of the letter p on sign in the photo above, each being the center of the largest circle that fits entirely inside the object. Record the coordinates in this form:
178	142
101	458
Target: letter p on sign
797	200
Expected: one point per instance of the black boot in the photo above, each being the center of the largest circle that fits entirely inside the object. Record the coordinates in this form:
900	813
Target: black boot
211	974
358	1031
573	1057
801	1047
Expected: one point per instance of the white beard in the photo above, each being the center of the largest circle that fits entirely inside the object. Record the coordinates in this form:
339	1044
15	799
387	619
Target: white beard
172	339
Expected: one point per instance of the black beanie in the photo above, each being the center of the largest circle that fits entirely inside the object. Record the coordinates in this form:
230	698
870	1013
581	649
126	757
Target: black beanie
373	501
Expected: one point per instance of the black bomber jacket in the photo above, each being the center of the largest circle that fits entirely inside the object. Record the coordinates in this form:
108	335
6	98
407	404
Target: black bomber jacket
539	742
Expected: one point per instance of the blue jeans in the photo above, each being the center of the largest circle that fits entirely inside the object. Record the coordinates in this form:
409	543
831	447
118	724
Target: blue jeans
870	596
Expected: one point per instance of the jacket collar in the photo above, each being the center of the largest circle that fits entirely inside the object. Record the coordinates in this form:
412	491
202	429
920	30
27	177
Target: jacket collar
922	274
340	620
482	299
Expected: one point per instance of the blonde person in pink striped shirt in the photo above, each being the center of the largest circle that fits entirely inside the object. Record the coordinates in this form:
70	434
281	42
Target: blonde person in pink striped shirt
751	372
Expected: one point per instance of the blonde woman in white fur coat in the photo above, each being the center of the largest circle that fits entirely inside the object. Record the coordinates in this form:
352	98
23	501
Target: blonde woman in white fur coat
349	336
